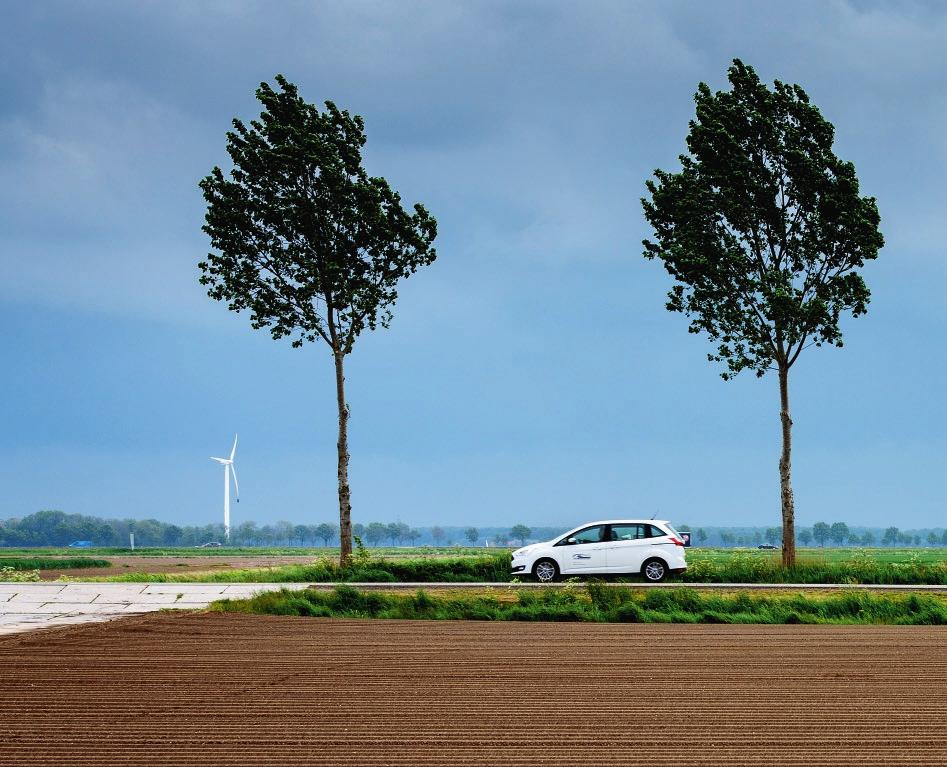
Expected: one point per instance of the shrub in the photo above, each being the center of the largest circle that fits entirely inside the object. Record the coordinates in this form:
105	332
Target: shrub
10	574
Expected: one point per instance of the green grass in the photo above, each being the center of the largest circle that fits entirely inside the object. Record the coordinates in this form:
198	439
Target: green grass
837	566
821	556
484	567
598	603
51	563
844	566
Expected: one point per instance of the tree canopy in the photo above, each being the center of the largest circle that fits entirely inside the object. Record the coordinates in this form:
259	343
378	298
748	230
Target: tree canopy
763	228
306	240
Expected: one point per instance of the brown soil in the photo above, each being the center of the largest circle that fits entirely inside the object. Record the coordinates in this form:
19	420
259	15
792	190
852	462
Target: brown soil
216	689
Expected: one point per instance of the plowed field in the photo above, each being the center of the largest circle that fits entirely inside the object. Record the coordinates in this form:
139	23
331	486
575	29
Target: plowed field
211	689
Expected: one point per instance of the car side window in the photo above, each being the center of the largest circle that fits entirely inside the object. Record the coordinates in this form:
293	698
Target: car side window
588	535
656	532
628	532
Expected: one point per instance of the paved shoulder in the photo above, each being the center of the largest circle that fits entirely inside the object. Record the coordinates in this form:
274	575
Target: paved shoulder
28	606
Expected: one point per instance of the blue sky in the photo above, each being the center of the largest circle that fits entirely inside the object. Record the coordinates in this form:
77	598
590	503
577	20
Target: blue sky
531	374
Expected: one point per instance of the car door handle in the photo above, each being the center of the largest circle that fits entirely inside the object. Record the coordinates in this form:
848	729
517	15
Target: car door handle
581	556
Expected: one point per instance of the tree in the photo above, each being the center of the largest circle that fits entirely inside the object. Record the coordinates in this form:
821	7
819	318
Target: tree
932	538
805	536
306	241
891	536
394	532
301	534
838	533
520	533
437	535
701	535
325	531
821	532
375	533
172	535
943	538
412	535
763	230
868	539
471	535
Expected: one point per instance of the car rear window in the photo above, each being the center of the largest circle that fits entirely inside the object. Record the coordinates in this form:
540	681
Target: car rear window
628	532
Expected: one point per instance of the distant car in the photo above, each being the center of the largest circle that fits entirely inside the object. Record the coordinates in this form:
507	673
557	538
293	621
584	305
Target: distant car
768	546
210	545
647	547
81	545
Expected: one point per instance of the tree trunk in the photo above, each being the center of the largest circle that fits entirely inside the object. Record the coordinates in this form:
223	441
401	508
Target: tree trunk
785	471
345	499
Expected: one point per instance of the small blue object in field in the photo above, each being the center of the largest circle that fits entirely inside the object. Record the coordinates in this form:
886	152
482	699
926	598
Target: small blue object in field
80	545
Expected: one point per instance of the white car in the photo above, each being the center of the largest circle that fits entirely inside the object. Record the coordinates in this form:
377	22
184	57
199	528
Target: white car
647	547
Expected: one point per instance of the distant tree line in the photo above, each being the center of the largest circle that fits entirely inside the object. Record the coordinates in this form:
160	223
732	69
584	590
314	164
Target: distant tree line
57	528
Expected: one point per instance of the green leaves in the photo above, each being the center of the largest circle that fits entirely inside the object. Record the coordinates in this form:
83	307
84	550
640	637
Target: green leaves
763	229
304	239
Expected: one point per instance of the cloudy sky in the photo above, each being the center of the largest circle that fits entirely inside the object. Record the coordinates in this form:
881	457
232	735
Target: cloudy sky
531	374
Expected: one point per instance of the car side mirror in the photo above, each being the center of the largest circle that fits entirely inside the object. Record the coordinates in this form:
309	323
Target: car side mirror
572	541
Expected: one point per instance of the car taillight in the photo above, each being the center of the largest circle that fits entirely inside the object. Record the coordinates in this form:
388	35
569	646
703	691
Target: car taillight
677	542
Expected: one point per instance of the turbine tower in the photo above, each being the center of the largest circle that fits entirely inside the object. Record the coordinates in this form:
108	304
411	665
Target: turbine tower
228	469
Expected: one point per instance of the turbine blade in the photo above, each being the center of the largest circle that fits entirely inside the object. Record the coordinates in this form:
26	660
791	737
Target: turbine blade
233	470
234	446
219	460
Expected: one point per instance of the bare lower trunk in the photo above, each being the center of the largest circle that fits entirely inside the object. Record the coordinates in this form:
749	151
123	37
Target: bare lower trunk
785	472
345	502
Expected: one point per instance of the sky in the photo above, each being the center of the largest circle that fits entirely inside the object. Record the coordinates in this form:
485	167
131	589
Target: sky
531	374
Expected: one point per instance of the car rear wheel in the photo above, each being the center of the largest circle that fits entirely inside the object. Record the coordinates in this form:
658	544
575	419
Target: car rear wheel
545	571
654	570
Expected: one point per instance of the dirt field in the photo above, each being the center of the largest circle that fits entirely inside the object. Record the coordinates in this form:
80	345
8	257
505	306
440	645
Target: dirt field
194	689
175	565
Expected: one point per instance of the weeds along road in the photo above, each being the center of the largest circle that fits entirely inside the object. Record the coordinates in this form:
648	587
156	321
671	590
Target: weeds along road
225	689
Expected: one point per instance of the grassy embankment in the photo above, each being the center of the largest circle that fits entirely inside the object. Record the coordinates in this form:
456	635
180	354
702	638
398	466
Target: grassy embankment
602	604
858	567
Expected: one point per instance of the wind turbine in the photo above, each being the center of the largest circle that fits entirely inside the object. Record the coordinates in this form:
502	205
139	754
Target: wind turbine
228	468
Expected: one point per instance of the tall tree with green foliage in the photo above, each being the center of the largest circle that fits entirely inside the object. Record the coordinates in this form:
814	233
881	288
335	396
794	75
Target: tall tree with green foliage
838	533
891	536
307	241
821	532
763	230
521	533
471	534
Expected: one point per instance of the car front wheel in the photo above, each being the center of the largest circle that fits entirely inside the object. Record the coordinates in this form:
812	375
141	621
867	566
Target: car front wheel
654	571
545	571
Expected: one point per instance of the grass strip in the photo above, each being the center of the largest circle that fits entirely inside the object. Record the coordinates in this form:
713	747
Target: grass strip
470	569
860	567
598	603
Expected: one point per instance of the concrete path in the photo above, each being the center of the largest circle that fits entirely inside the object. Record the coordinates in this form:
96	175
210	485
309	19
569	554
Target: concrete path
28	606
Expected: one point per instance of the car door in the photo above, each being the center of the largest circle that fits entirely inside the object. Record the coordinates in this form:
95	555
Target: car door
584	550
628	547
